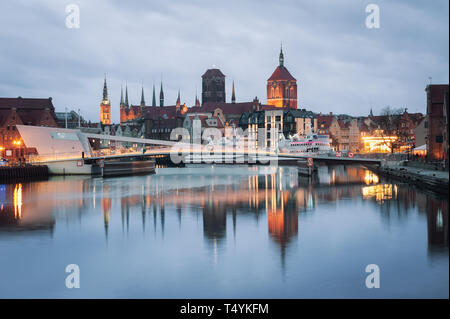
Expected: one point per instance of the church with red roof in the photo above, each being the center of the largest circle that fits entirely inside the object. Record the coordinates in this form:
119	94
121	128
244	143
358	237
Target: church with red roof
282	87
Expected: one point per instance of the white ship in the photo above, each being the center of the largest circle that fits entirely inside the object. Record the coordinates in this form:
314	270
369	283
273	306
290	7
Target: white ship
311	144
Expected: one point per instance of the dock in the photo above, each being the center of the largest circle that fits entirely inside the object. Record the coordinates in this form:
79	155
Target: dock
125	168
13	173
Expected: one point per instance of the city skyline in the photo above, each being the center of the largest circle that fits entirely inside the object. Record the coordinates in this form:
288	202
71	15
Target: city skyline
340	65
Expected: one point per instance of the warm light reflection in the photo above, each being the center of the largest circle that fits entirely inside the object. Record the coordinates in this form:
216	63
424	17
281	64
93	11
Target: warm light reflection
380	192
370	178
18	201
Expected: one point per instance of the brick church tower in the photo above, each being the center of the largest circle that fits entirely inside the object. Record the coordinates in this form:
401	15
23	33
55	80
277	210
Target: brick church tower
213	86
105	107
282	87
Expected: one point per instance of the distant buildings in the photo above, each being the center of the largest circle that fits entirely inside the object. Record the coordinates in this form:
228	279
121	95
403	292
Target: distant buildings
160	120
22	111
72	118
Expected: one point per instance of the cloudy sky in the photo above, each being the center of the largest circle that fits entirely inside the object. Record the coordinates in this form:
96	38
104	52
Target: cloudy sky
340	64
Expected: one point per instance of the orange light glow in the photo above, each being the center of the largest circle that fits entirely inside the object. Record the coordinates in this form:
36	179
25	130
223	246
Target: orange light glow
378	144
18	201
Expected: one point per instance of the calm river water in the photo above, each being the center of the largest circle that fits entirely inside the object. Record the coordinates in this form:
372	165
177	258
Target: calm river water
223	232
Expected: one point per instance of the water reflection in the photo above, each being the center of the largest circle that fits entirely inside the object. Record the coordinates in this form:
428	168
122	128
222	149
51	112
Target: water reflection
218	196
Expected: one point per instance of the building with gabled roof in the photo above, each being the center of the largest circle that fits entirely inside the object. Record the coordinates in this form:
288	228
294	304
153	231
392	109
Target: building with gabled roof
22	111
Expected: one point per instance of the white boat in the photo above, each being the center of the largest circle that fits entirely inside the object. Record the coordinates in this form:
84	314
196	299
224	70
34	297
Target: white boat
312	144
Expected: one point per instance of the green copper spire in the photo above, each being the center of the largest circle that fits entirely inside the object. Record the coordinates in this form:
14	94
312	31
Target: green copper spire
154	96
233	95
161	96
105	90
126	94
281	56
142	96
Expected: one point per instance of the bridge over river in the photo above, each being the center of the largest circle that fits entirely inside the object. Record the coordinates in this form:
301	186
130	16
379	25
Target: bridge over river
64	149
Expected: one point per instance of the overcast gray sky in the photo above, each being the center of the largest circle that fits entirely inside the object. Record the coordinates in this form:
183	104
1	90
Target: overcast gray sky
340	65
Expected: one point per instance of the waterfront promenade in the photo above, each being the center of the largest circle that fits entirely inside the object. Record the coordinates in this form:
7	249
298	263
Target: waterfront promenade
435	180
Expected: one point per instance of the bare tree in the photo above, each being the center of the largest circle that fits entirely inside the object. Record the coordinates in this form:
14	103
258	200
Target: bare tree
390	125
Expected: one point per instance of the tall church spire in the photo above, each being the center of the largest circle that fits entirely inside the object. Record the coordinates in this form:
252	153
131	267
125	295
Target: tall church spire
161	96
142	97
178	104
281	56
126	94
197	102
105	106
154	96
121	95
233	95
105	90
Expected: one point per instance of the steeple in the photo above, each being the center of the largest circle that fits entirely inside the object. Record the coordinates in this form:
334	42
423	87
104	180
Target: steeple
178	104
105	107
154	96
233	95
281	56
126	94
105	90
142	97
121	95
197	102
161	96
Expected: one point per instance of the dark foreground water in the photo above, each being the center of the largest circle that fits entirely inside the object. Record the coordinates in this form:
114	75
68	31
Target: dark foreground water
223	232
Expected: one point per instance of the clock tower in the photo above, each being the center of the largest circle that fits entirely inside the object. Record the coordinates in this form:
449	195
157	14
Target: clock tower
105	107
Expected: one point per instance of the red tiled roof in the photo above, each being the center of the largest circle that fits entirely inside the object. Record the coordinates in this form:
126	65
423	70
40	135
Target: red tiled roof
343	124
132	108
30	111
281	73
25	103
325	120
227	108
205	124
156	112
4	114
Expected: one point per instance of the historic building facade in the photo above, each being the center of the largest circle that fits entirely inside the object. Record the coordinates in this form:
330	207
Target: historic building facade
105	107
22	111
435	112
213	86
282	87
